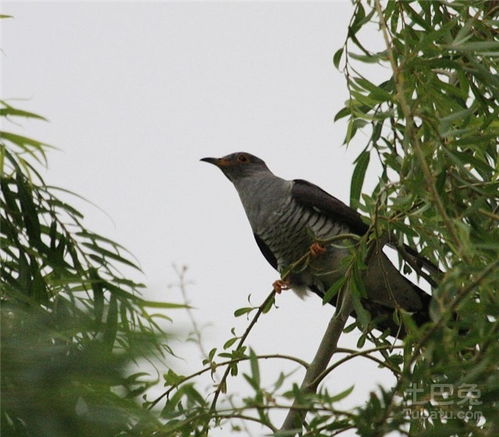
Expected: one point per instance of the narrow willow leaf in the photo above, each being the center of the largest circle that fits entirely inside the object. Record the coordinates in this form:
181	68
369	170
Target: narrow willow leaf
341	395
255	369
376	91
371	58
108	254
359	16
416	16
94	236
337	57
333	290
98	296
351	130
2	160
29	211
111	327
477	46
22	141
268	306
164	305
230	342
10	111
361	314
342	113
359	173
240	311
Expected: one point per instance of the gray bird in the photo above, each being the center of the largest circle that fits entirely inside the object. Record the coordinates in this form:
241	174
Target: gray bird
289	217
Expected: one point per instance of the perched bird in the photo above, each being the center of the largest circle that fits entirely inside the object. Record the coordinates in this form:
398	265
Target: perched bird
288	217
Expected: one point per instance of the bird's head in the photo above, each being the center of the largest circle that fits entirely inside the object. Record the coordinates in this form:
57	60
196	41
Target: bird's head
238	165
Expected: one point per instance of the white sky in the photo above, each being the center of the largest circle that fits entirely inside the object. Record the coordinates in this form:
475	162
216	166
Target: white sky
136	93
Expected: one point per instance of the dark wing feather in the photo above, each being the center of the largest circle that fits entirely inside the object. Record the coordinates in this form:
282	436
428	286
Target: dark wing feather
267	253
311	196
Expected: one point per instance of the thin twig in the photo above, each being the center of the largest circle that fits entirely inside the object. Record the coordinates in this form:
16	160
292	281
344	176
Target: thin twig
222	384
182	286
364	354
225	363
229	414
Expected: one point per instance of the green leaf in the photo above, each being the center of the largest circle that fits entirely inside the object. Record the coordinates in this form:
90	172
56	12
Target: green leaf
477	46
212	354
255	369
108	254
416	16
111	327
230	342
10	111
172	378
98	296
342	113
362	315
333	290
362	339
376	91
29	211
337	57
359	173
240	311
22	141
372	58
268	305
164	305
341	395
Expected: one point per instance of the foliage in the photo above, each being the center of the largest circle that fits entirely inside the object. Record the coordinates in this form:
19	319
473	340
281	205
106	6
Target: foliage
71	323
433	124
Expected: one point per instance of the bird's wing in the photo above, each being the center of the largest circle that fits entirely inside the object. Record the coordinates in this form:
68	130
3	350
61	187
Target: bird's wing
313	197
267	253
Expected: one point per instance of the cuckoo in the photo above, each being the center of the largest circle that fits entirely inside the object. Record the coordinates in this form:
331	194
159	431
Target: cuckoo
288	219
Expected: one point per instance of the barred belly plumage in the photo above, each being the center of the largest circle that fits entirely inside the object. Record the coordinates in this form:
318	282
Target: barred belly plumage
292	230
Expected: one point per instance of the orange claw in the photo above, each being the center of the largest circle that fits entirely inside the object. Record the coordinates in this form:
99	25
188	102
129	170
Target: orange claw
317	249
280	285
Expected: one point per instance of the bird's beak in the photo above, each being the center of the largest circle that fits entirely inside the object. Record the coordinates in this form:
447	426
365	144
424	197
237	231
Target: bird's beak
219	162
210	160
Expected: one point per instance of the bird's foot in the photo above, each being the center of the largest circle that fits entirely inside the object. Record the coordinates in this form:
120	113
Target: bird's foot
317	249
281	284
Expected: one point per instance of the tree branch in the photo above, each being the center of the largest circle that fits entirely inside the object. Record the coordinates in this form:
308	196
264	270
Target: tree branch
327	348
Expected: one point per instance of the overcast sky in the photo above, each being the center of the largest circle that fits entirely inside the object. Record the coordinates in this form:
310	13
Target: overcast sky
136	93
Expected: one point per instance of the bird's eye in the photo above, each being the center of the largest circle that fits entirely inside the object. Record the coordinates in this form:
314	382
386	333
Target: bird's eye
242	158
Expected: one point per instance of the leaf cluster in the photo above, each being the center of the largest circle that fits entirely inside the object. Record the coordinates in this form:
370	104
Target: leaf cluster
432	123
72	323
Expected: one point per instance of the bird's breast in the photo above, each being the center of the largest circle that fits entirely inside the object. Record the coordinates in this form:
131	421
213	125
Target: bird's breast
291	229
